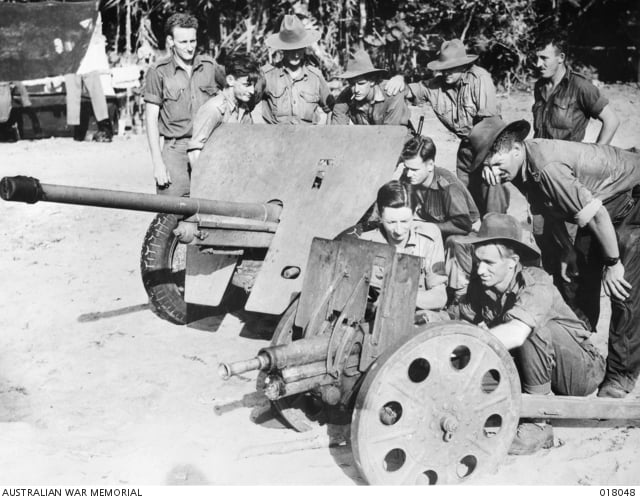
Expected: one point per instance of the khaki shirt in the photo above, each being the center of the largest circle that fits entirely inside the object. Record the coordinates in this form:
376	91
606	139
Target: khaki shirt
382	109
425	242
572	180
565	112
179	95
531	298
447	203
217	110
292	100
461	107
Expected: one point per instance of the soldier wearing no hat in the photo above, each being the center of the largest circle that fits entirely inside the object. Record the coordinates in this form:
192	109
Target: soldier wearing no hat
292	90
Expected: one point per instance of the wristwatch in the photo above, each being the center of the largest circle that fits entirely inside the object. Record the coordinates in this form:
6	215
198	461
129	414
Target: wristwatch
611	261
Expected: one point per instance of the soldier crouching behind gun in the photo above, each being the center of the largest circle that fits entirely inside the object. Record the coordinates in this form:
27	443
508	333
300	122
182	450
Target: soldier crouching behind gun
397	227
522	308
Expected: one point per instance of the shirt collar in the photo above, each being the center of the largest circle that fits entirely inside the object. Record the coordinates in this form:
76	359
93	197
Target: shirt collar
412	240
230	102
512	288
284	72
197	62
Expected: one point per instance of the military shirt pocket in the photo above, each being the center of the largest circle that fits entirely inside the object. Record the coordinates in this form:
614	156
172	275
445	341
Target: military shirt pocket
276	91
562	113
309	104
171	93
209	90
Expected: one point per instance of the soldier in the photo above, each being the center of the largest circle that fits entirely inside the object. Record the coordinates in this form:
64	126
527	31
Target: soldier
364	101
593	186
397	227
461	96
521	307
440	197
564	103
175	89
229	106
566	100
292	90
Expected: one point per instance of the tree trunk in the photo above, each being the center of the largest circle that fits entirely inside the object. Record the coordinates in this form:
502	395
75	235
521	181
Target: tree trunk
128	30
117	40
363	23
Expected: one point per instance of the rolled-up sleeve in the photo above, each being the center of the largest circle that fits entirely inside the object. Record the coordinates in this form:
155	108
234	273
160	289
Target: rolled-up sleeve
153	87
566	192
589	98
484	96
397	112
207	119
419	92
533	302
340	115
326	97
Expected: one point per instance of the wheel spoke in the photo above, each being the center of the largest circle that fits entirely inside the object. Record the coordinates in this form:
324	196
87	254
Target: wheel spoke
468	388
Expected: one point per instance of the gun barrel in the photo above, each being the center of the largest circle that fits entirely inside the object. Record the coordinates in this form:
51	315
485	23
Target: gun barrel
30	190
227	370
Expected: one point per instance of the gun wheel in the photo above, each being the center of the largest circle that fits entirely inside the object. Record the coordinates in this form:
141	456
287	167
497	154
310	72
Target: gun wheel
440	409
162	265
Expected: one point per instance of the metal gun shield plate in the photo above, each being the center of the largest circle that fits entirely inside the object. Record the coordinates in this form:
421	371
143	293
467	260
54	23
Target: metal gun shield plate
326	178
439	409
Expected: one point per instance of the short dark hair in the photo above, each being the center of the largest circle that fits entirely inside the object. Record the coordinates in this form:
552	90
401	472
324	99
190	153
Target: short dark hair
394	194
504	142
241	64
180	20
421	146
553	38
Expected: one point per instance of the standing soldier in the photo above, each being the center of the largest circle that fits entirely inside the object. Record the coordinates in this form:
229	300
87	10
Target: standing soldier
566	100
175	88
564	103
292	90
461	96
364	101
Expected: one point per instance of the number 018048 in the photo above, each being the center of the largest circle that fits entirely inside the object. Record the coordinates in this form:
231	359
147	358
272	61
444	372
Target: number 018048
617	492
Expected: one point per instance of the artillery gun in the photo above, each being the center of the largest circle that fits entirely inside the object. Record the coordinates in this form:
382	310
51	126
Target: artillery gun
259	195
434	404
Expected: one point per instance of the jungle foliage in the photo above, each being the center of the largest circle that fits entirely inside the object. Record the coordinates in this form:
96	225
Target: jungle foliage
401	35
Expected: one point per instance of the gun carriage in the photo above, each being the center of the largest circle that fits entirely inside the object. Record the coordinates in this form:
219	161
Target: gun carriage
434	404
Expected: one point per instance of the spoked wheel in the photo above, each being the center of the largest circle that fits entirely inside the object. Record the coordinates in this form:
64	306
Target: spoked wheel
301	412
440	409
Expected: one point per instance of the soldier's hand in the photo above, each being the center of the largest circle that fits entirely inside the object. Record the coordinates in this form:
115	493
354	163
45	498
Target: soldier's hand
568	265
489	176
161	174
614	283
394	85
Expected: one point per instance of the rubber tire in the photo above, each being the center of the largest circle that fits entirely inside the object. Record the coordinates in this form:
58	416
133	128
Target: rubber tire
162	285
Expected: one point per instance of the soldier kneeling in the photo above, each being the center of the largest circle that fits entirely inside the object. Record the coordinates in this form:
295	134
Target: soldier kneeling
522	308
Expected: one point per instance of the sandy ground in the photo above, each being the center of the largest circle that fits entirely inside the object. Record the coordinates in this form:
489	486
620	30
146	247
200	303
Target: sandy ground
95	389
